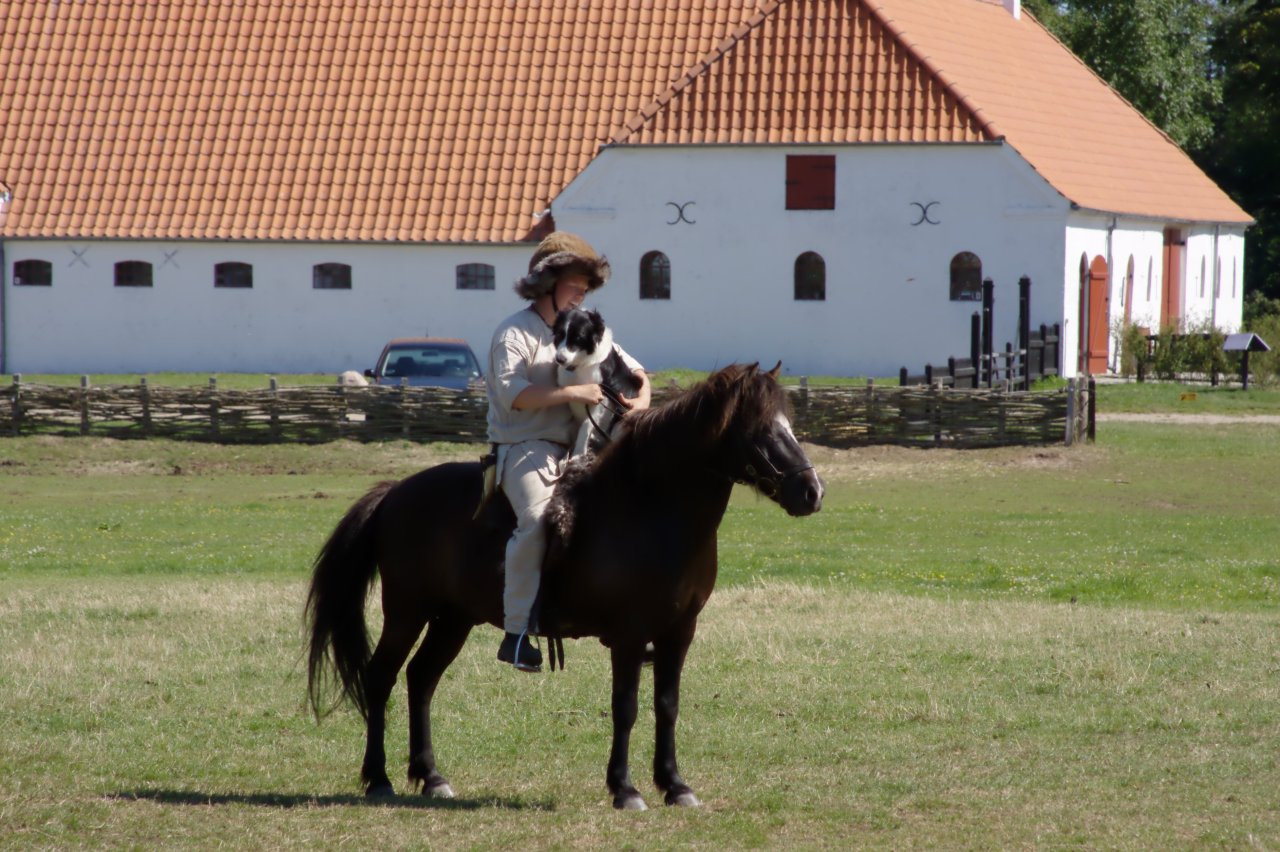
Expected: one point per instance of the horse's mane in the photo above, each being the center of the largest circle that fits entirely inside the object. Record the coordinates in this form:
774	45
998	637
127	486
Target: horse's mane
669	437
704	412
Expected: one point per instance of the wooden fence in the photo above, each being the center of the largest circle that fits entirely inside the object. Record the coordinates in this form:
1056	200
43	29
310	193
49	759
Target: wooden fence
832	416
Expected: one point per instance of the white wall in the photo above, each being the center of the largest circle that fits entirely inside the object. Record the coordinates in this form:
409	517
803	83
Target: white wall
888	281
1209	249
887	302
85	324
1117	239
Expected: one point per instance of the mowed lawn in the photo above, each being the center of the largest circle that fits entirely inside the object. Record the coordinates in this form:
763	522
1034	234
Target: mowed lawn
1017	647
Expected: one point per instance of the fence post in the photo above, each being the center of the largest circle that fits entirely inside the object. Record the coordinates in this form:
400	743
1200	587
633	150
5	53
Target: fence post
1009	360
902	377
17	404
1044	349
935	410
804	403
988	317
214	429
273	408
84	405
1024	328
1068	438
871	402
1091	429
975	347
146	406
404	407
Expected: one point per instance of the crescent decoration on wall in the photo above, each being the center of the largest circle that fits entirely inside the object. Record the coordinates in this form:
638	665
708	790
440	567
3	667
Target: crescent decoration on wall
680	213
924	213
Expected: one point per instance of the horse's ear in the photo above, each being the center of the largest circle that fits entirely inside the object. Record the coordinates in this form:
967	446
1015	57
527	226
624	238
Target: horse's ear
776	371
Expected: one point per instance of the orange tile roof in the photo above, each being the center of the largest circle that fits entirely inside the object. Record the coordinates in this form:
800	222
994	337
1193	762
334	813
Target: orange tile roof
430	120
1088	142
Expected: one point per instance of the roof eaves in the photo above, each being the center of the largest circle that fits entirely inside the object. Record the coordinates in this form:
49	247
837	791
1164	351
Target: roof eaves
949	85
1179	220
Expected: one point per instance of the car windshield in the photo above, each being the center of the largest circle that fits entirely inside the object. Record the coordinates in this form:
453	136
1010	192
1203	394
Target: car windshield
435	360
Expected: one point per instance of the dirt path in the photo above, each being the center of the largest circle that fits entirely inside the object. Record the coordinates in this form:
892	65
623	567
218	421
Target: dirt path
1189	419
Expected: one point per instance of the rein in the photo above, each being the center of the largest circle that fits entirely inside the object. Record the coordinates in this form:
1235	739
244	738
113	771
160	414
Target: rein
616	407
769	480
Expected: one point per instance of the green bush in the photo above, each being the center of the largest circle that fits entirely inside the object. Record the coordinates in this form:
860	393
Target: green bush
1203	349
1131	340
1264	367
1167	361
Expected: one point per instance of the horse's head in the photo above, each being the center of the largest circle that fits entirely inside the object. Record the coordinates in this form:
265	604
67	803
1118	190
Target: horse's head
759	448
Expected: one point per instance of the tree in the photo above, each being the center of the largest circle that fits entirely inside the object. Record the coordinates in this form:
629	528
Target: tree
1244	155
1207	73
1156	53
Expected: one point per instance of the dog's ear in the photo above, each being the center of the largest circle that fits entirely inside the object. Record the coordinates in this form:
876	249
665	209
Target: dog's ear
597	323
776	371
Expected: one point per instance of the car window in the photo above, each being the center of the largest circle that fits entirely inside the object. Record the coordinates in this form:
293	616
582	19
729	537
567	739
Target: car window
432	361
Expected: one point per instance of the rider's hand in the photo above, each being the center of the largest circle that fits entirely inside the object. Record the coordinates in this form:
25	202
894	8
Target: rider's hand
590	394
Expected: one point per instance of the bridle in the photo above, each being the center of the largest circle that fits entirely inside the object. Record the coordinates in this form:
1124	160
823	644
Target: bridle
768	479
765	478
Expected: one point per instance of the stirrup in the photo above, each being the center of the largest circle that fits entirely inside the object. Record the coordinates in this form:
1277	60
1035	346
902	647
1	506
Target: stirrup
524	638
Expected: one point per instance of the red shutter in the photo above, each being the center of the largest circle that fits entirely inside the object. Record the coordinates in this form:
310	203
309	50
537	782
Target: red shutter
811	182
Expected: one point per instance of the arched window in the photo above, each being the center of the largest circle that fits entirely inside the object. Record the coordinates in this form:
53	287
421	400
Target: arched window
474	276
133	273
33	273
966	277
331	276
655	276
233	274
811	277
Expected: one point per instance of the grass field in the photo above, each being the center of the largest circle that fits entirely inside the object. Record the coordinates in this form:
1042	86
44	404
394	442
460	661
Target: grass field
1017	647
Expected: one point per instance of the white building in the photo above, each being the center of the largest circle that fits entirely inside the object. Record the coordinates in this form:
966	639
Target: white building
821	181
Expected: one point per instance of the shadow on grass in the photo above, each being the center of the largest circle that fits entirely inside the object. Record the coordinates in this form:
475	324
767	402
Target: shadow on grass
286	801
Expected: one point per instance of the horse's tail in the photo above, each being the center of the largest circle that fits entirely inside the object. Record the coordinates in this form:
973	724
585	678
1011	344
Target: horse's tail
344	572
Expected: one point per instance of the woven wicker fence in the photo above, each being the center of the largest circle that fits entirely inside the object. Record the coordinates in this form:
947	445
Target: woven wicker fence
832	416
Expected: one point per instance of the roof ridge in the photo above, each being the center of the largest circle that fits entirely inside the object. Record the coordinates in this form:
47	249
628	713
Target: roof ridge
948	85
702	66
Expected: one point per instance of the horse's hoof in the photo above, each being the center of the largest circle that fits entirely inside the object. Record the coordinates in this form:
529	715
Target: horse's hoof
632	802
379	791
684	800
439	791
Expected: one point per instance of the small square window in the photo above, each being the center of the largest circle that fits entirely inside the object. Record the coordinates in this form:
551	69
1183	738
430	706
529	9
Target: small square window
33	273
331	276
133	273
474	276
233	274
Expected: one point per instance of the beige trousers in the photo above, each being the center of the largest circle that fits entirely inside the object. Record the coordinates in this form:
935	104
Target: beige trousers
528	478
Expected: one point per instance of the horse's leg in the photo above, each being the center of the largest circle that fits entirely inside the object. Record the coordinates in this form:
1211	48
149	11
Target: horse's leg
445	638
398	635
626	683
668	662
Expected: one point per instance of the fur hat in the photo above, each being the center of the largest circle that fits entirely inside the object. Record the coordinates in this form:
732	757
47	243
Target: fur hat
558	251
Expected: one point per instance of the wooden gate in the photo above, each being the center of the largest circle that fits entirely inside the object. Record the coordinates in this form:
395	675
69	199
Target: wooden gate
1171	285
1094	303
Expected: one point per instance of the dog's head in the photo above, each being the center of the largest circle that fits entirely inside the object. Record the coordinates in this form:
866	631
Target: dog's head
578	335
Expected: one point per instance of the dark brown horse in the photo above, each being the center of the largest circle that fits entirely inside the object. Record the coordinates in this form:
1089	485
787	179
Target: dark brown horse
638	567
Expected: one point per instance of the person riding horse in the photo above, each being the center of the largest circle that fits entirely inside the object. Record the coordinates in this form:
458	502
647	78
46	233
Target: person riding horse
529	419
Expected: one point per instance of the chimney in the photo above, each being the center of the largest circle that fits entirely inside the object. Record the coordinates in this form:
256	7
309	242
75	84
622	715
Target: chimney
1014	8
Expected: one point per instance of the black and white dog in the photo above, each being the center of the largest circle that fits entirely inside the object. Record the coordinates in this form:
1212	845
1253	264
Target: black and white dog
585	354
